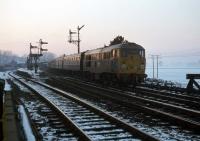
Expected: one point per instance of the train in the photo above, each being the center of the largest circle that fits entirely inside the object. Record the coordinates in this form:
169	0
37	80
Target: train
121	63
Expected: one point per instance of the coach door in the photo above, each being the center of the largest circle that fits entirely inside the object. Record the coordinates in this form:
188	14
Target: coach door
81	61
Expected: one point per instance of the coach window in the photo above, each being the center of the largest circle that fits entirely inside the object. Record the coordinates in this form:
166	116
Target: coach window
101	56
113	53
96	56
104	56
108	55
88	63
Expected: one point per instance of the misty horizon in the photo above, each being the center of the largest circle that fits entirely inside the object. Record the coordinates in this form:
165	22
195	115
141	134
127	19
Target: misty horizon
161	27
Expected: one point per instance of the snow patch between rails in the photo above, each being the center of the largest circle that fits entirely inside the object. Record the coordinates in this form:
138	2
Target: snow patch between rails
26	125
30	72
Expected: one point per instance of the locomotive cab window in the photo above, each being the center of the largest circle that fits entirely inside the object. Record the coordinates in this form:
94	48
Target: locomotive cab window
129	52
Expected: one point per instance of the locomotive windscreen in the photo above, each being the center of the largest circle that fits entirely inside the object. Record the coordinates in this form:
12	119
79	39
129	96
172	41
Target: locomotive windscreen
129	52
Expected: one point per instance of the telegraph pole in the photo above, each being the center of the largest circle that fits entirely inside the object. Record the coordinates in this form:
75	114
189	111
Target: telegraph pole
78	40
157	64
153	57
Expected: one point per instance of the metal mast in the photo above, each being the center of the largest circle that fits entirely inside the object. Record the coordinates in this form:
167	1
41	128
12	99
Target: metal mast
35	56
78	40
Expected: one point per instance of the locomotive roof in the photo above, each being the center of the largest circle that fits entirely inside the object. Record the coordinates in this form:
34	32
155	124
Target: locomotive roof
109	48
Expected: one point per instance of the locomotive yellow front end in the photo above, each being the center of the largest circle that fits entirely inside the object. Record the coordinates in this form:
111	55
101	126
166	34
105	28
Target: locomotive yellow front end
132	64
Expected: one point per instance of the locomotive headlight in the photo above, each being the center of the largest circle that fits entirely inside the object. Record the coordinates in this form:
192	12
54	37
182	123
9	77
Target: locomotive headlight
142	67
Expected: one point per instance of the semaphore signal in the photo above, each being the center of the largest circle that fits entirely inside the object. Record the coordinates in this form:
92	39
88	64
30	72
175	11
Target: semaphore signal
35	56
78	38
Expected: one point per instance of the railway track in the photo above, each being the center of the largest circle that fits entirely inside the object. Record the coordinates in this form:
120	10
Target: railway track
184	117
87	121
45	120
189	99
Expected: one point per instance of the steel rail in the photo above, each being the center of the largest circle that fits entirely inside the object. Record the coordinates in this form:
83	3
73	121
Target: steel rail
121	123
68	121
168	93
133	130
167	116
192	104
126	95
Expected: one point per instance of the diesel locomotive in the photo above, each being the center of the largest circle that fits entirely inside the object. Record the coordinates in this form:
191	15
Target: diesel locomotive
122	63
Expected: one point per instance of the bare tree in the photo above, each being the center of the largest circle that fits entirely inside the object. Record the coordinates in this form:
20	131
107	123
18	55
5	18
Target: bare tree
6	57
118	40
47	56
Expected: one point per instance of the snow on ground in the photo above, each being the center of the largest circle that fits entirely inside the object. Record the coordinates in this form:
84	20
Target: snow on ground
7	87
30	72
25	124
5	76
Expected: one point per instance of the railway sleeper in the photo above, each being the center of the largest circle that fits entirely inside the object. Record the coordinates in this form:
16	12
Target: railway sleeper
114	131
98	128
119	123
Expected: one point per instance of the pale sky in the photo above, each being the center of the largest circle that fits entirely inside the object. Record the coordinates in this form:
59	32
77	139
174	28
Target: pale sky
165	27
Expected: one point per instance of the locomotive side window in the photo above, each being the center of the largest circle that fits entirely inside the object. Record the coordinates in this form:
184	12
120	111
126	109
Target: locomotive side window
104	56
115	53
142	53
131	52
